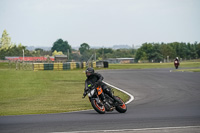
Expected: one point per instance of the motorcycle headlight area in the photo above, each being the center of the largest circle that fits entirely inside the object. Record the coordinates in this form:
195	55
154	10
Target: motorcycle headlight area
91	93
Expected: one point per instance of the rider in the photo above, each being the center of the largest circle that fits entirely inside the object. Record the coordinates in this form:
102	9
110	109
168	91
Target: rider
176	61
95	79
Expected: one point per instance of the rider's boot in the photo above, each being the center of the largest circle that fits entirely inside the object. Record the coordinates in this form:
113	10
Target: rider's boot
104	100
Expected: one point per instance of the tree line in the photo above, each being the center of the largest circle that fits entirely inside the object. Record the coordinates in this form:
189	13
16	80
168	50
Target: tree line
159	51
155	52
149	52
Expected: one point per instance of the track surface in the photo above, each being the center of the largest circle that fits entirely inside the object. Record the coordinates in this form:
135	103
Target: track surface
162	99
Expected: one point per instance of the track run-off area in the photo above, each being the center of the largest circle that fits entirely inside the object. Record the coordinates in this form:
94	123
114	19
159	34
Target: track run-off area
164	101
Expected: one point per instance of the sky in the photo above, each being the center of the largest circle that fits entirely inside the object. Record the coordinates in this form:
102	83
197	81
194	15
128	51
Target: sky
100	23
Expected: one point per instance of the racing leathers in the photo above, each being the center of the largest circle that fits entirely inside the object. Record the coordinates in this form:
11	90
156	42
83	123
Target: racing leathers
96	79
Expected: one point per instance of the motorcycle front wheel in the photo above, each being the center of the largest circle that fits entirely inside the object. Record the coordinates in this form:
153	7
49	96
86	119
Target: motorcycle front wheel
99	108
121	108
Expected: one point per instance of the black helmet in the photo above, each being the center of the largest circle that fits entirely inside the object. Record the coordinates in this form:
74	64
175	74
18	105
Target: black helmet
89	71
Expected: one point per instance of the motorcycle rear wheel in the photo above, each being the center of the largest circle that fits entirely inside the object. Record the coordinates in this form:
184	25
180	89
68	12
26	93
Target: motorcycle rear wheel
100	109
121	108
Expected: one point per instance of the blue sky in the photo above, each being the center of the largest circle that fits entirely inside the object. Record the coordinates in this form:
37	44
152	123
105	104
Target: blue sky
100	22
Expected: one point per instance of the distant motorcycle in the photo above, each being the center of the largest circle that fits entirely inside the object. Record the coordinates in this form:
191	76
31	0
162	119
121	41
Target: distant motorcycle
98	105
176	64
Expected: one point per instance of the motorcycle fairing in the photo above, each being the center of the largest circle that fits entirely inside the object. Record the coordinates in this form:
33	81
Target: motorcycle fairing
99	90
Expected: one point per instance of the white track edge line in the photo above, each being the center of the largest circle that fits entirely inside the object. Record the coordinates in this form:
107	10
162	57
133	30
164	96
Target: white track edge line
131	96
139	129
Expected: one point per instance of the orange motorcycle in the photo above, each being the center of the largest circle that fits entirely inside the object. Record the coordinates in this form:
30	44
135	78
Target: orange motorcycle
97	104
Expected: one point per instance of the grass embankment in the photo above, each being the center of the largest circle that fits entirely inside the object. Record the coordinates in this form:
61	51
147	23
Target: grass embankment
40	92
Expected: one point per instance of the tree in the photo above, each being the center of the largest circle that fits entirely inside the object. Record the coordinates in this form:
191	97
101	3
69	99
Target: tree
145	52
84	48
167	50
139	54
182	50
5	41
105	53
193	53
14	51
198	49
39	49
144	56
57	53
85	52
156	55
61	45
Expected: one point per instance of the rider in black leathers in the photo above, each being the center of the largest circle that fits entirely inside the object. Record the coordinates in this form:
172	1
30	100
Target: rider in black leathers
95	79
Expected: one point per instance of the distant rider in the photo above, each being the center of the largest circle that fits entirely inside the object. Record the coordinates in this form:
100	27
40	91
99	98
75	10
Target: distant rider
95	79
176	62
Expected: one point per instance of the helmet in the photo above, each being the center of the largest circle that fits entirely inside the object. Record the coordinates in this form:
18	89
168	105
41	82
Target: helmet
89	71
177	58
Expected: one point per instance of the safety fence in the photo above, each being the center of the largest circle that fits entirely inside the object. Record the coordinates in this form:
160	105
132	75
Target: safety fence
61	66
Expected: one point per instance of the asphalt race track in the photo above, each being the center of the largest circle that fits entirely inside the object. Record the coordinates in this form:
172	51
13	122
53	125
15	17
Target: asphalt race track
163	101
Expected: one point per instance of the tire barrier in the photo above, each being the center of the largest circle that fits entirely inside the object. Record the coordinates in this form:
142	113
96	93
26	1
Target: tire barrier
66	66
94	65
38	66
84	65
48	66
73	65
60	66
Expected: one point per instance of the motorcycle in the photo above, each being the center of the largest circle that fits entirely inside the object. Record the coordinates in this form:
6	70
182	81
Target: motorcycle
97	104
176	64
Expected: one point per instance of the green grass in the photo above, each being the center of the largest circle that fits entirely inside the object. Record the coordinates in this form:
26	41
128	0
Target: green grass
40	92
4	65
189	70
29	92
123	96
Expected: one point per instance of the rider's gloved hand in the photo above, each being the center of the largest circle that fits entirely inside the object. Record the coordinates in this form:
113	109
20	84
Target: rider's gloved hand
84	94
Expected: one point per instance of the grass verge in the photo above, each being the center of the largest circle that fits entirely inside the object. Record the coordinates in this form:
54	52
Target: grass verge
189	70
41	92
